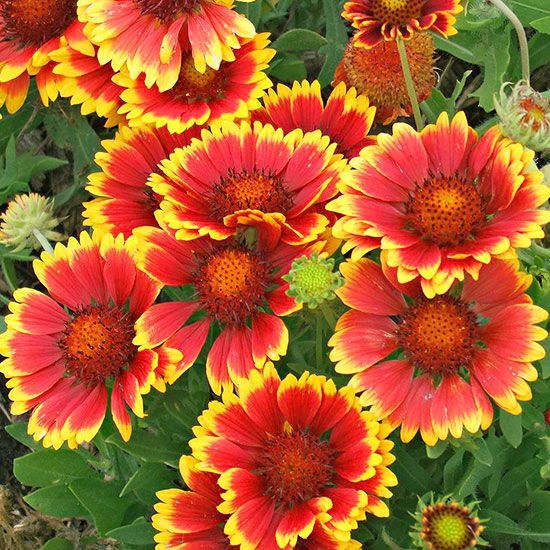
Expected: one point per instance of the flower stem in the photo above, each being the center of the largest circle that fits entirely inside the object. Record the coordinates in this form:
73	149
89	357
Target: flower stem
409	83
522	38
318	340
43	241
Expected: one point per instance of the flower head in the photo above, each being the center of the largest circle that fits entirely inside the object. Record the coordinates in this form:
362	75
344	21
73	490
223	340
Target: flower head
441	202
233	287
192	516
214	95
25	214
153	37
449	353
64	349
547	417
346	118
377	20
312	280
524	116
446	524
238	176
291	454
124	200
30	30
377	74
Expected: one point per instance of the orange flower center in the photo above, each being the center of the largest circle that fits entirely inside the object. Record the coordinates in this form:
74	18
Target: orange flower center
193	86
396	12
438	335
535	115
97	344
445	211
167	10
295	467
449	527
244	191
35	22
231	283
383	82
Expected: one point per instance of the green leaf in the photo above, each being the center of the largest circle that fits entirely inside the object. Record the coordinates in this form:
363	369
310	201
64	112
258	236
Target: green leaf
411	473
252	10
299	40
337	38
58	543
511	427
49	467
536	520
482	453
150	477
437	450
493	53
57	501
288	68
460	45
19	432
529	10
149	447
499	523
139	533
542	24
101	499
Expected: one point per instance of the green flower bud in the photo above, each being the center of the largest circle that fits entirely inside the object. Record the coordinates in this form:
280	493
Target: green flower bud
313	280
23	215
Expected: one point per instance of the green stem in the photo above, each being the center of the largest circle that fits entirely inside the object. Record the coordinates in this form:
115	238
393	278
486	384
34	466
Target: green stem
522	37
409	83
318	340
43	241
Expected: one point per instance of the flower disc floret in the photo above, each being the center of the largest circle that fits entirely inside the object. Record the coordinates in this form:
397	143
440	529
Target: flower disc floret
35	22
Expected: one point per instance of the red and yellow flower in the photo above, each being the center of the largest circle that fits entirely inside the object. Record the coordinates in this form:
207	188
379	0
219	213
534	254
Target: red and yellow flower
441	202
291	454
191	517
64	349
87	83
124	201
376	72
230	285
150	36
239	175
452	352
346	118
225	94
377	20
30	30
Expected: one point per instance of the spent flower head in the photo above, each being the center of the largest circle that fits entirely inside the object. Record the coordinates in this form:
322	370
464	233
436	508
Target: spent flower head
24	215
524	115
312	280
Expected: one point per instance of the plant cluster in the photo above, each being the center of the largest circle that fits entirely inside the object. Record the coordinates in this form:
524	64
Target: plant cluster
293	319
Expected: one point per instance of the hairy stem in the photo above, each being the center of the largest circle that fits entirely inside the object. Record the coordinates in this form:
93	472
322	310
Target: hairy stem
409	83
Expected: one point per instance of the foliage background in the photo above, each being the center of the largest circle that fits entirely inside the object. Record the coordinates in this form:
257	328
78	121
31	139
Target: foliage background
108	489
